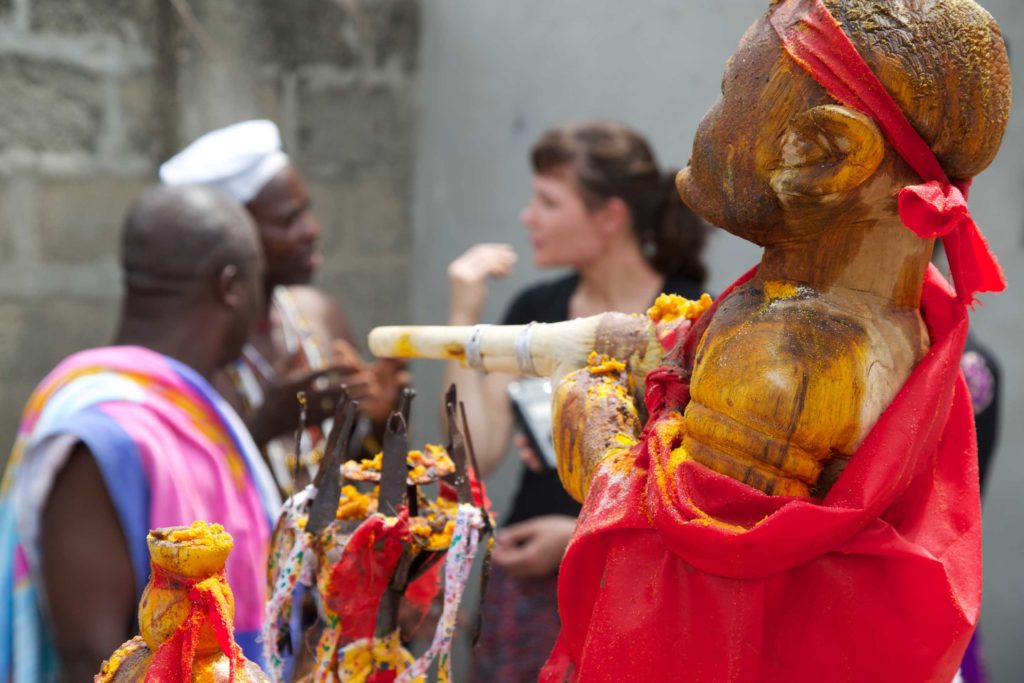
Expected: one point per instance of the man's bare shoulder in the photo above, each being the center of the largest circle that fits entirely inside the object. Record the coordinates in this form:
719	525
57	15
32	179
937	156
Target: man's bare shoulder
313	299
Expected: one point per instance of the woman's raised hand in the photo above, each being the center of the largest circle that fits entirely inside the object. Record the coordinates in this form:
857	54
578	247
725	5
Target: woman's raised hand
467	279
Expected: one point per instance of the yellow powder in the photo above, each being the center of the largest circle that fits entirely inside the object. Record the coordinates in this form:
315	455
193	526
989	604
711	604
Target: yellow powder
429	464
441	541
355	505
361	658
373	463
419	527
780	289
604	365
668	308
197	531
624	440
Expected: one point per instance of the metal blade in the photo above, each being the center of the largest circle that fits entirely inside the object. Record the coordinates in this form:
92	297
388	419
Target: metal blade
488	527
324	509
459	479
334	436
408	394
393	468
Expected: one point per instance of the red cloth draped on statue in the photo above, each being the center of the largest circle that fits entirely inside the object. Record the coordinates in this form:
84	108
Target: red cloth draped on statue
677	573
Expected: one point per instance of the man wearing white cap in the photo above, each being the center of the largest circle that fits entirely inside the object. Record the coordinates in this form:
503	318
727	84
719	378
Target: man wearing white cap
305	335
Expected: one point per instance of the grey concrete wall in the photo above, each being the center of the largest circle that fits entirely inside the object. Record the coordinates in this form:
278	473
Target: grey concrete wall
97	93
494	74
77	142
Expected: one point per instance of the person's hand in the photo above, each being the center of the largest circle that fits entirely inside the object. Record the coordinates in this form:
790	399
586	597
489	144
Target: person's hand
529	456
360	378
467	279
279	414
534	548
391	376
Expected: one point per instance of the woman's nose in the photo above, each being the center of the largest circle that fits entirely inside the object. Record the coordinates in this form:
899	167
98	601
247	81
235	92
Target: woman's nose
526	215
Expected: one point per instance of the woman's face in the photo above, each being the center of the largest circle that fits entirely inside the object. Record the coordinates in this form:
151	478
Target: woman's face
563	231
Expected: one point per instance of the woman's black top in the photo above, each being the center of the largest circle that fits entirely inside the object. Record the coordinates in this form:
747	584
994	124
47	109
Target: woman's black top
548	302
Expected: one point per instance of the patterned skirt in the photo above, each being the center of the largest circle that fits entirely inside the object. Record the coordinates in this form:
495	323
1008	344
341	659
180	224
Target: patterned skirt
520	627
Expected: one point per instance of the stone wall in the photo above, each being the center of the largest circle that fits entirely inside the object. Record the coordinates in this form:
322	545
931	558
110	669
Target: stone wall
96	93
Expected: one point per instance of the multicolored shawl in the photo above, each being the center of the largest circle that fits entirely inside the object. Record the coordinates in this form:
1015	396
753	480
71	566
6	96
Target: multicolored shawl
170	450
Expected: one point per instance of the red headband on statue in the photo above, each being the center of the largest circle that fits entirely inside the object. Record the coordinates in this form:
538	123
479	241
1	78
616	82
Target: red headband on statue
936	208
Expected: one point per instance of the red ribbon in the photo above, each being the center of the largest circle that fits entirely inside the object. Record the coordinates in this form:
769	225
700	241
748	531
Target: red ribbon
172	661
935	208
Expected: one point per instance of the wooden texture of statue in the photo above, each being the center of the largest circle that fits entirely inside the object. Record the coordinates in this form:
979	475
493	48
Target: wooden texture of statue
798	363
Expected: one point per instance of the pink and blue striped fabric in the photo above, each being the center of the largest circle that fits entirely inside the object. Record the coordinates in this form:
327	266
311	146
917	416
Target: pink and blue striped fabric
171	451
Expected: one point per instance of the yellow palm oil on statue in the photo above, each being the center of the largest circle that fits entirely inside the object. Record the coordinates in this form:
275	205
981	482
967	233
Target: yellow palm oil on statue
185	615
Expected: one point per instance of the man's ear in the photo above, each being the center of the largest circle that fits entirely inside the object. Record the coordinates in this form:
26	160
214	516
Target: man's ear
826	151
229	290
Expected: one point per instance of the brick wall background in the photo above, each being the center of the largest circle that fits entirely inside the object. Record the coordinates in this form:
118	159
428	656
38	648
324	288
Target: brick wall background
97	93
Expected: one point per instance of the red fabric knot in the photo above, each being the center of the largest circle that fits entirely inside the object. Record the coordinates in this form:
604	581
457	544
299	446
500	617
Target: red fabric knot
937	208
173	659
933	209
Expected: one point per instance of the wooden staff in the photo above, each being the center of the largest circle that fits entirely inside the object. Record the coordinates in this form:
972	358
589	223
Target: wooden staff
537	349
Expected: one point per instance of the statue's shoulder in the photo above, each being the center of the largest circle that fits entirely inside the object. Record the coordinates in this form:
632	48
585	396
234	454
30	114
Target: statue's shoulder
784	370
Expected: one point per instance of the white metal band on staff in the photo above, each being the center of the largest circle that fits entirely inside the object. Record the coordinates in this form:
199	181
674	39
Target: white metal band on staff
524	359
474	352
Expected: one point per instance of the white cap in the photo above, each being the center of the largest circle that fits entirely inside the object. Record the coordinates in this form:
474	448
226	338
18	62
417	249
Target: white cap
238	160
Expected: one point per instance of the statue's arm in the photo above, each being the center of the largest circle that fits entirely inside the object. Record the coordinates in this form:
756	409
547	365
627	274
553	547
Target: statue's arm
594	418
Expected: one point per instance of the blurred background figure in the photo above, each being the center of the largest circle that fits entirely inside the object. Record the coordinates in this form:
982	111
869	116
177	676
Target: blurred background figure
303	341
121	439
602	208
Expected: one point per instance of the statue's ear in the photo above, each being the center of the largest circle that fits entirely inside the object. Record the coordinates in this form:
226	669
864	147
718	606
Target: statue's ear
826	151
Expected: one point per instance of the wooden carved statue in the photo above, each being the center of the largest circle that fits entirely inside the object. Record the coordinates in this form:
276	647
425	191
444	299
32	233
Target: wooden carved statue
185	615
799	362
843	541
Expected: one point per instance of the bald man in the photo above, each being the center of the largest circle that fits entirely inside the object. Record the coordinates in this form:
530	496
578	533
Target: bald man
121	439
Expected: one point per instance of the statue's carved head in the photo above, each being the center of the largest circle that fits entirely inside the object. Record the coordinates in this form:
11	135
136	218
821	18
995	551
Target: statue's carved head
777	158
